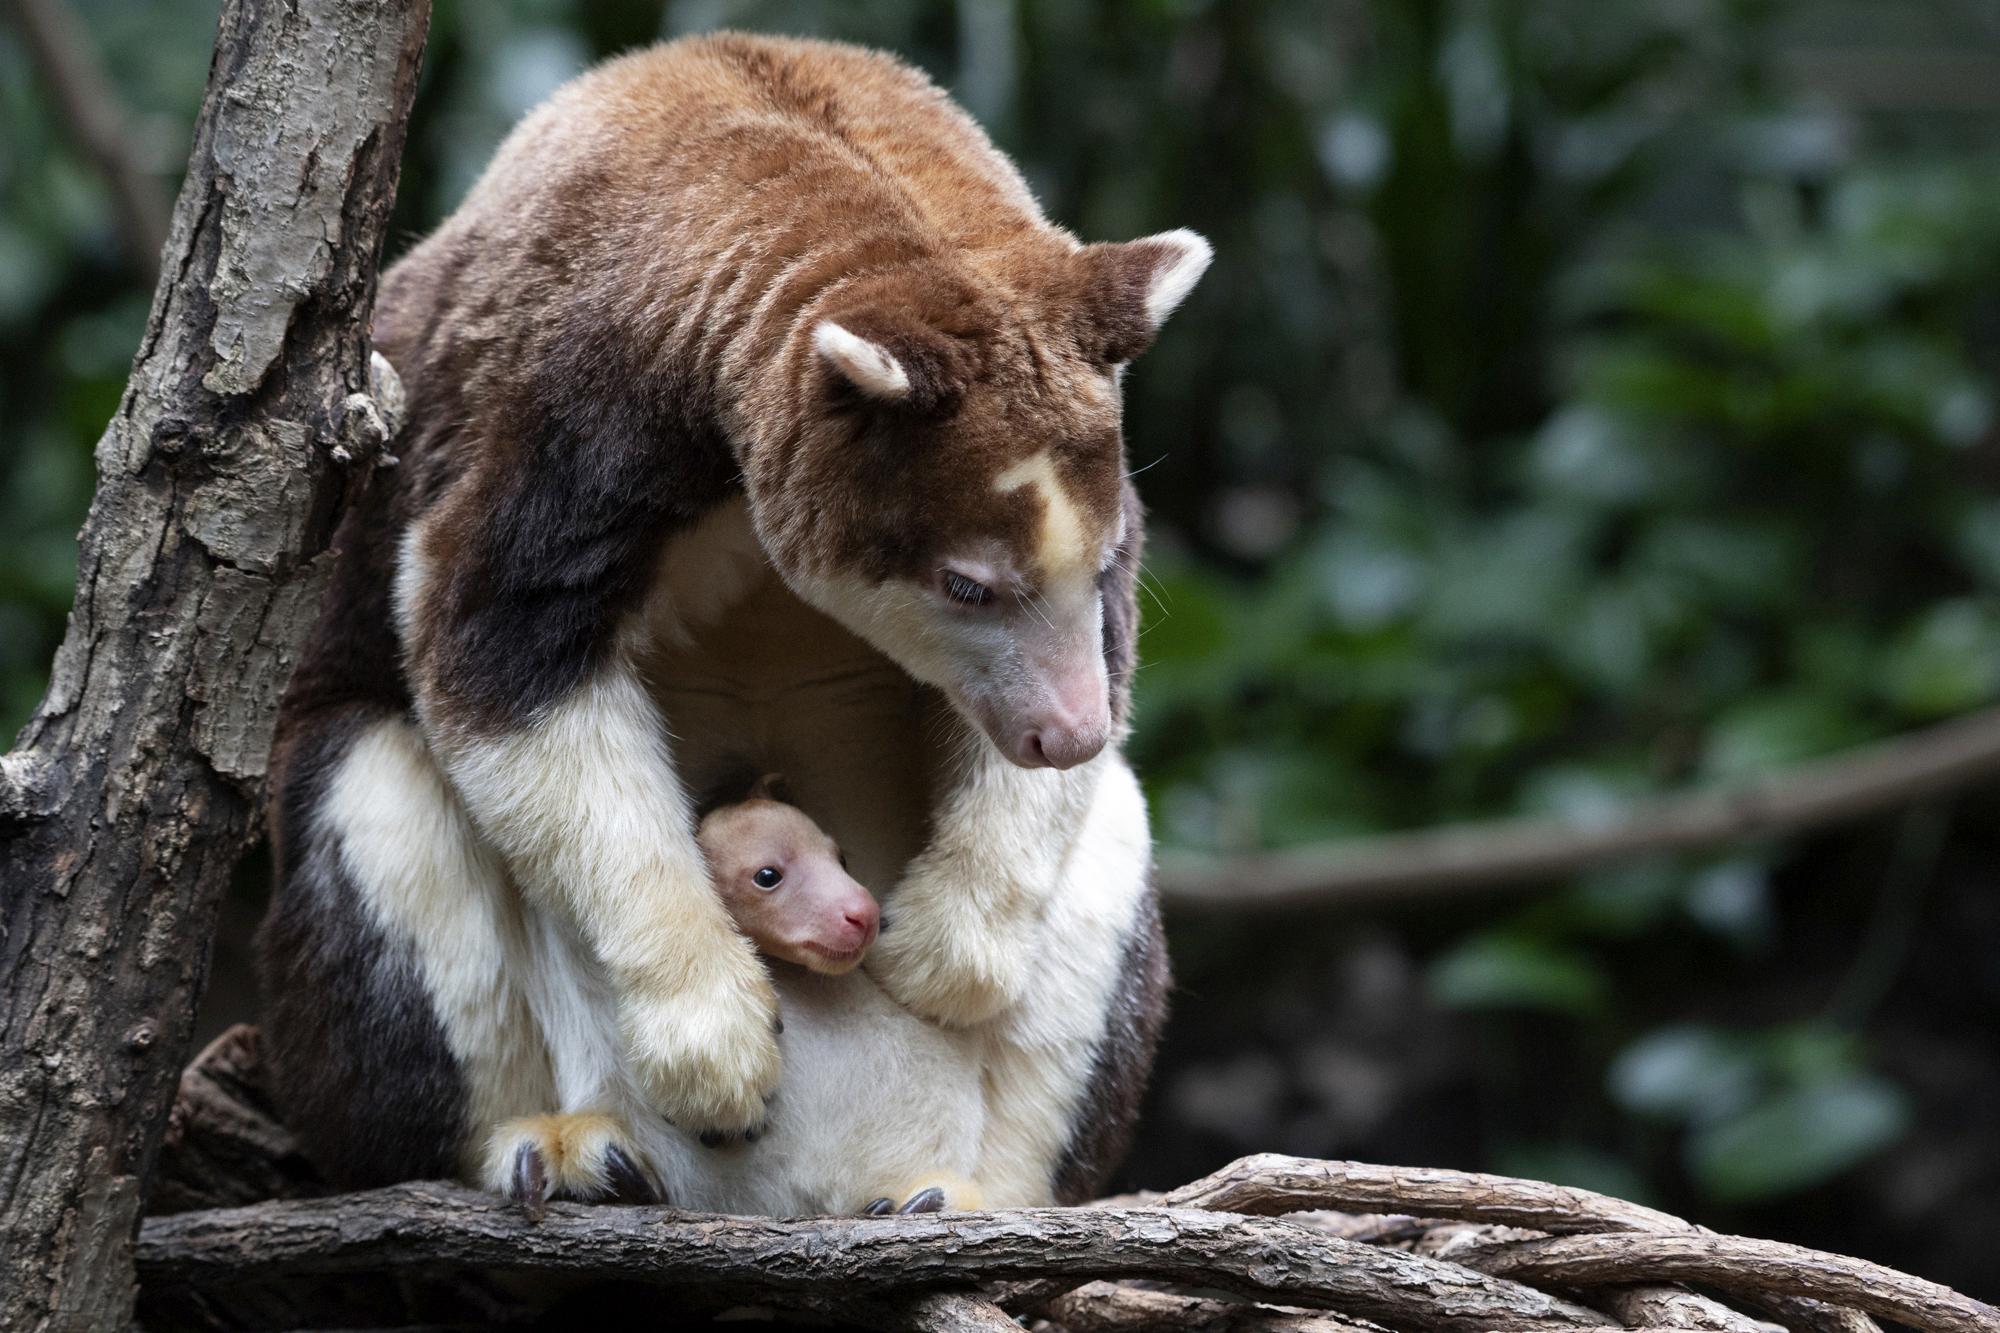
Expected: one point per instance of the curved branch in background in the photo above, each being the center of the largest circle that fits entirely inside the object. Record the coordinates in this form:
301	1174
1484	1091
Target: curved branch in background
139	781
1459	858
68	63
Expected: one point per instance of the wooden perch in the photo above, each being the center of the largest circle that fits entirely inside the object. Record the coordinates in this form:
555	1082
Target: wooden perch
758	1260
1404	1248
1461	858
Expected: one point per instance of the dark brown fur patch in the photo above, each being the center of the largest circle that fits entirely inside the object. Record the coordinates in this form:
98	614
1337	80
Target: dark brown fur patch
1108	1109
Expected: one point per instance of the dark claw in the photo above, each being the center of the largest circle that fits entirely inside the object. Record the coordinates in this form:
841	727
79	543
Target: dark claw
530	1183
881	924
713	1138
752	1135
778	1026
628	1182
878	1207
924	1201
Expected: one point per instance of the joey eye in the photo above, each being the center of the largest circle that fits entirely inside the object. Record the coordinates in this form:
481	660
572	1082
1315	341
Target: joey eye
770	877
965	591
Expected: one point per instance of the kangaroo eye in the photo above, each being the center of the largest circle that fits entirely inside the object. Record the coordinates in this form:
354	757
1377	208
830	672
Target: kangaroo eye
965	591
770	877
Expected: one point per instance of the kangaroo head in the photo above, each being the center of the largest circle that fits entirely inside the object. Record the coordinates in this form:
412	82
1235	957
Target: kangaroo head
953	488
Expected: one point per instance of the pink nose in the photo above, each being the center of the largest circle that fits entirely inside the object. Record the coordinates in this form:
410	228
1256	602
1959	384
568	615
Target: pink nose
1067	726
862	917
1061	744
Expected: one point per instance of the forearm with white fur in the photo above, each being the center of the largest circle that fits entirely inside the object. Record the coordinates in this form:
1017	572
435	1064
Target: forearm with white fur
584	805
961	944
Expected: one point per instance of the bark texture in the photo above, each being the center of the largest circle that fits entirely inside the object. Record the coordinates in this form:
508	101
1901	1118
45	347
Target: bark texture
438	1226
247	420
1422	1250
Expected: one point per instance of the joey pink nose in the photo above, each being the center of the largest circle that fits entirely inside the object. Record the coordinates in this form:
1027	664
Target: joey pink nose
863	916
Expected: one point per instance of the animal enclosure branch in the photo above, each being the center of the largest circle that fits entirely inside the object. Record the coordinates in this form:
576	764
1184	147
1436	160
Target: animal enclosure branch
1740	1265
1269	1184
754	1259
250	418
1461	858
834	1265
1409	1248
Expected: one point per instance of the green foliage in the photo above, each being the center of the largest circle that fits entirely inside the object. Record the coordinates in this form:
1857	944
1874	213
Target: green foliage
1766	1113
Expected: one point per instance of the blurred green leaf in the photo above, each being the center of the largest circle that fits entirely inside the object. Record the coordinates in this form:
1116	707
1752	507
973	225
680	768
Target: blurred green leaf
1515	972
1775	730
1686	1074
1797	1138
1947	661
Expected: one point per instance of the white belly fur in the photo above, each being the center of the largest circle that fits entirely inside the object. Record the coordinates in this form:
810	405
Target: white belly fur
873	1101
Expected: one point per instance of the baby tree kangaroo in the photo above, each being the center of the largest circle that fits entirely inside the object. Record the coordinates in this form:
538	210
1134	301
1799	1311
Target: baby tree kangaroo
785	882
732	331
786	886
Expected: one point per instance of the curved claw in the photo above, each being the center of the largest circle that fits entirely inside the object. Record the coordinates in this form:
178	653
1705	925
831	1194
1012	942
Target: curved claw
923	1201
528	1182
878	1207
628	1183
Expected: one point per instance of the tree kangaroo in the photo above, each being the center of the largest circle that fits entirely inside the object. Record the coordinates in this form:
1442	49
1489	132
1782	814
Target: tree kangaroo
756	413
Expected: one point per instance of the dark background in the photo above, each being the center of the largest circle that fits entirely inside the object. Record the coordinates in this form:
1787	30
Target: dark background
1588	400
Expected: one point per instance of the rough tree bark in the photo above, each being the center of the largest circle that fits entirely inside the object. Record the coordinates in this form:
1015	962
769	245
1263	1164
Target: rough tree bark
247	421
253	1243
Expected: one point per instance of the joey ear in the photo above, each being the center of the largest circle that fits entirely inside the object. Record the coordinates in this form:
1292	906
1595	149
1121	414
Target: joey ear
770	787
1132	286
867	365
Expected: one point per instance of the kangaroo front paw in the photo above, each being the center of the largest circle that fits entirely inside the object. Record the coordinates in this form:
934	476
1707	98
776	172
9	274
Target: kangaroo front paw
585	1157
708	1062
951	969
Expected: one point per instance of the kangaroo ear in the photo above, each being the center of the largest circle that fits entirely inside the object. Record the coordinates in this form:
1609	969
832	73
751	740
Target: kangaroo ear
1130	288
770	787
895	359
866	365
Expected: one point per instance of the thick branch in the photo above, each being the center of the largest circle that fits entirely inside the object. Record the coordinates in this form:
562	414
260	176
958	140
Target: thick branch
1742	1266
1107	1307
418	1227
1268	1184
957	1271
946	1312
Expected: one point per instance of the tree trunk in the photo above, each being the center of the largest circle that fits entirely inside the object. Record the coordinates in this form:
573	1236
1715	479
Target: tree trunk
247	422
